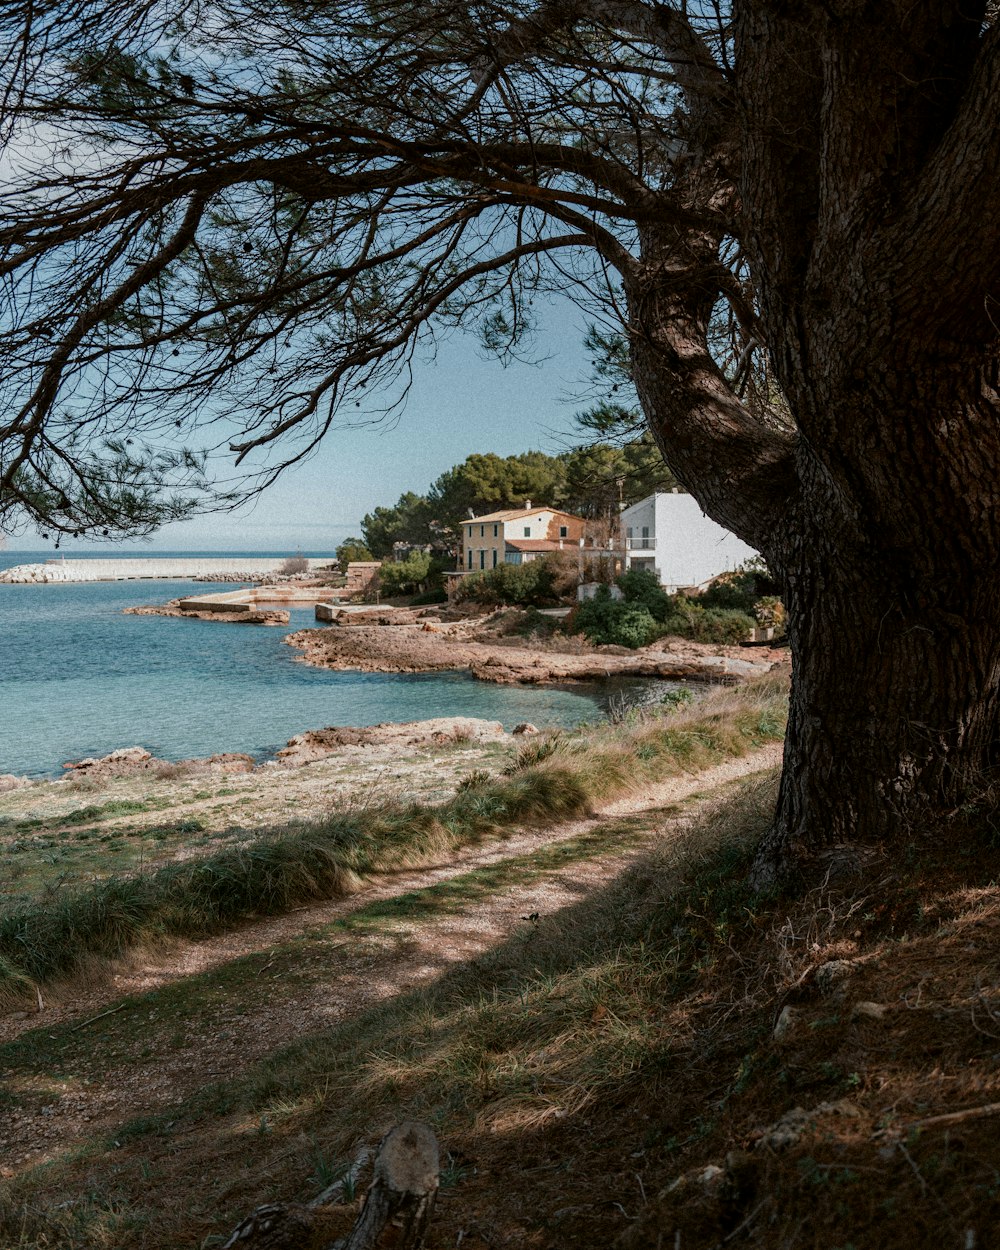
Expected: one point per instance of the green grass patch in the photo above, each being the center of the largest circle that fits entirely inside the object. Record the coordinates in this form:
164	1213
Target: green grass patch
156	1021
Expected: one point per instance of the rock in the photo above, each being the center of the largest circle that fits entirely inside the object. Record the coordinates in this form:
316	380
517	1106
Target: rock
785	1021
225	763
230	762
316	744
796	1123
524	728
786	1131
833	971
128	761
119	763
868	1011
840	1107
9	782
711	1177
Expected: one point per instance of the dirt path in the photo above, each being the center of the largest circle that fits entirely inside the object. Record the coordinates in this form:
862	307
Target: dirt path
136	1061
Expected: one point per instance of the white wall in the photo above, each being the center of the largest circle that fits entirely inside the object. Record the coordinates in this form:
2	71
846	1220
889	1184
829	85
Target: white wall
690	547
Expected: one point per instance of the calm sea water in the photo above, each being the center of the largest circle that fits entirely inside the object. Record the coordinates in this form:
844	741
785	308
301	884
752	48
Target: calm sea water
78	678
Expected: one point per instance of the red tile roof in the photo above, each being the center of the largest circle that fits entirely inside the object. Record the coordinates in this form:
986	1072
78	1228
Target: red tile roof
539	544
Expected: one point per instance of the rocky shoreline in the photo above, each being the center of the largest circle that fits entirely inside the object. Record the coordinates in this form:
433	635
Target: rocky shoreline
255	616
384	643
388	738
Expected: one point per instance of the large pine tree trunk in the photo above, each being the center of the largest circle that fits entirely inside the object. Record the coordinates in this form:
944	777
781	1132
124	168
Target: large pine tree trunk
888	545
866	136
893	717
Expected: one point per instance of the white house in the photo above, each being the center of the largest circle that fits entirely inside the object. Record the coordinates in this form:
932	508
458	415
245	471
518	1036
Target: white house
671	536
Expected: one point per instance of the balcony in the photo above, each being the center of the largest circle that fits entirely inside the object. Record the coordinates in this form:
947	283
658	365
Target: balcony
640	544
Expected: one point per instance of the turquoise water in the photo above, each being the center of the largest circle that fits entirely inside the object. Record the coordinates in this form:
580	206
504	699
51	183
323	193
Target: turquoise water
78	678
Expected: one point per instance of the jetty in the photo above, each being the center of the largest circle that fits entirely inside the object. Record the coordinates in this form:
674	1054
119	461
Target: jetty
154	568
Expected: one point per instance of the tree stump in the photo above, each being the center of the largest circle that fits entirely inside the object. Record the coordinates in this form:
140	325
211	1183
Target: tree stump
403	1188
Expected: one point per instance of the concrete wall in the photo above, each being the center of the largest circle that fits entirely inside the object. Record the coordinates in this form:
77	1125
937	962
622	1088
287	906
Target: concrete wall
231	601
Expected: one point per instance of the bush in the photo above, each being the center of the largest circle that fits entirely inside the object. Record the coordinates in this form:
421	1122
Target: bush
741	589
405	576
604	621
725	625
640	586
293	565
689	619
644	616
528	585
633	626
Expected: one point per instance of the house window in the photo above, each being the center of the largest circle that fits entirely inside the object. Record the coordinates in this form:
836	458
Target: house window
494	557
470	557
645	531
496	531
482	559
527	531
564	531
482	531
470	531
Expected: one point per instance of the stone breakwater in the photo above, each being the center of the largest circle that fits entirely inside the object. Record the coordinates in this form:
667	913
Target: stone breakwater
249	568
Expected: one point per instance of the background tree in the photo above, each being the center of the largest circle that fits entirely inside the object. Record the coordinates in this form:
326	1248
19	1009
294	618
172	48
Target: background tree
352	549
405	576
488	483
408	521
255	215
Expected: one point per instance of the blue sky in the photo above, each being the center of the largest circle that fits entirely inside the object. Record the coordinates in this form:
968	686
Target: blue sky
459	403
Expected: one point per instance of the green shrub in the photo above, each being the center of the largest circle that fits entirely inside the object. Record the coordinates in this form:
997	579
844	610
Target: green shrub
632	626
687	618
641	587
724	625
529	585
400	577
603	620
532	624
740	590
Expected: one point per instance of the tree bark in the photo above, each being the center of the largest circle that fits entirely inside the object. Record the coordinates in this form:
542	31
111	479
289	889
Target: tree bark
893	716
881	513
403	1188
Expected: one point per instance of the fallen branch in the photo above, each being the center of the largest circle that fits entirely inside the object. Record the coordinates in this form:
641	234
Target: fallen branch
956	1117
76	1027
